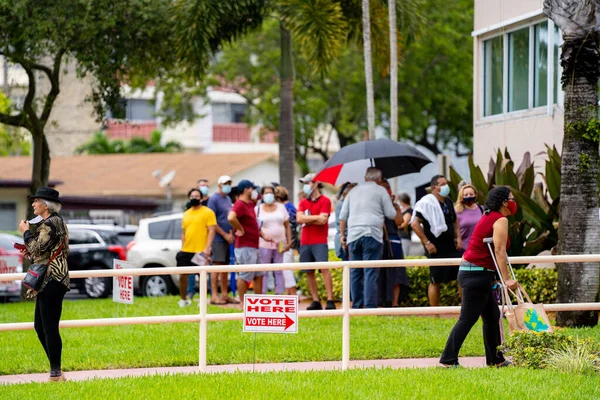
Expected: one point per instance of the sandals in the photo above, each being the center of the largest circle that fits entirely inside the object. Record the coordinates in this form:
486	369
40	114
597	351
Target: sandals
218	302
231	300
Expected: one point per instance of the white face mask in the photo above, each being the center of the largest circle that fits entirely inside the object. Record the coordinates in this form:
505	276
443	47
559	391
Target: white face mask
254	195
269	198
307	189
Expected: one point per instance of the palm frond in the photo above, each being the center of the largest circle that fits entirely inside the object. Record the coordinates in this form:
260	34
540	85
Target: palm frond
318	26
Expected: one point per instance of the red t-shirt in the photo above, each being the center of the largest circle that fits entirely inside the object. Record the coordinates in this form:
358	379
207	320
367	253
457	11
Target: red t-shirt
315	234
247	217
478	252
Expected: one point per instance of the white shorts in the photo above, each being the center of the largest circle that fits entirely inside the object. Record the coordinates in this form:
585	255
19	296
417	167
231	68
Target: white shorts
289	280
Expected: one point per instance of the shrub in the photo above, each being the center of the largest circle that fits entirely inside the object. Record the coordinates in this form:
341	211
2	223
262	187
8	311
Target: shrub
540	285
574	358
547	350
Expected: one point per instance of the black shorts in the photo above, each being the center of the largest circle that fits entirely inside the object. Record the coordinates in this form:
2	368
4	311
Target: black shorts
184	259
220	253
444	274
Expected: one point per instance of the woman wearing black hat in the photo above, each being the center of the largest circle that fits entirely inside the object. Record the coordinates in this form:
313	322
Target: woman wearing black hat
49	244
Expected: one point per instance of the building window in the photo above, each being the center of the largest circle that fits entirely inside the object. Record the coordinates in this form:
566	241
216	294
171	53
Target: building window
227	113
493	62
540	65
8	216
133	110
518	70
517	67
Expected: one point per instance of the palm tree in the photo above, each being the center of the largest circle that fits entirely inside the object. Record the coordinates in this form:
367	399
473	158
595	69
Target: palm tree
579	231
366	20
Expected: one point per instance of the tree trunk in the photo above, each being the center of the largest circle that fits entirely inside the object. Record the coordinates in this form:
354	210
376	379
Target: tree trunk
393	80
579	229
286	114
368	68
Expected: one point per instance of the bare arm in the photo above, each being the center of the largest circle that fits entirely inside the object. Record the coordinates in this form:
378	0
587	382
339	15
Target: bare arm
343	233
457	234
500	238
209	241
416	225
302	218
234	221
405	221
288	232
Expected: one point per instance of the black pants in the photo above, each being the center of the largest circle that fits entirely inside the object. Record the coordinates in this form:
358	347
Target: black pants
48	308
477	299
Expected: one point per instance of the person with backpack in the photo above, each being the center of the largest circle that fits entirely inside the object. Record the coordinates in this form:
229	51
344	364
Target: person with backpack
468	212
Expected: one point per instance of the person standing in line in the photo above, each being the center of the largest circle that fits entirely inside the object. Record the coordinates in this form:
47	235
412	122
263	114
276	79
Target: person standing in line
313	214
405	229
203	185
48	245
392	279
242	218
364	212
221	204
477	275
274	223
289	280
197	236
340	251
435	223
468	213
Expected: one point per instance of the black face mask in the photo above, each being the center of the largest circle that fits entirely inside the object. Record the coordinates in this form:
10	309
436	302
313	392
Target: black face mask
194	202
469	200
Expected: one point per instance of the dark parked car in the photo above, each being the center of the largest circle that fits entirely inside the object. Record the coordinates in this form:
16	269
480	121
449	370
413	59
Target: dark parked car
93	248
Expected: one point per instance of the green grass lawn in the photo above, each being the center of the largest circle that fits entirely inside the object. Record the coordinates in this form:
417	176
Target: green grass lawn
177	344
484	383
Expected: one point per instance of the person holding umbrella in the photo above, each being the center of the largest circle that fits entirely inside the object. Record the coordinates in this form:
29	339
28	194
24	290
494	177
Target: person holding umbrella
364	211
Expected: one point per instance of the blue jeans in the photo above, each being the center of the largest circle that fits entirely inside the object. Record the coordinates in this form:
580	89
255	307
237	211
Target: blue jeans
191	289
363	281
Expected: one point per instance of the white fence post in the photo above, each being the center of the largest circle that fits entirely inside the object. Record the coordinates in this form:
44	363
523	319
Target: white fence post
346	318
202	342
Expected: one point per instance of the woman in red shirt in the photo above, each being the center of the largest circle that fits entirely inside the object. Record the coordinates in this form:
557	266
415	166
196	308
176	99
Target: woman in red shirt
477	276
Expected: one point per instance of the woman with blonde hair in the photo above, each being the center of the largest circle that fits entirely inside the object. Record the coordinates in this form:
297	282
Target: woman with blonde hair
468	211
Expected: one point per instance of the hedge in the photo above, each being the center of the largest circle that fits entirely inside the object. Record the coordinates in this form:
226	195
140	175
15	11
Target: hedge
540	284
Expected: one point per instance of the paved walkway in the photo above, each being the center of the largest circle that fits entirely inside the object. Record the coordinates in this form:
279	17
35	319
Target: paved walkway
469	362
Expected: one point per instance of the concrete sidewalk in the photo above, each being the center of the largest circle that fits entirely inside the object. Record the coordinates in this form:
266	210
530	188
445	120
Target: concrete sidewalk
469	362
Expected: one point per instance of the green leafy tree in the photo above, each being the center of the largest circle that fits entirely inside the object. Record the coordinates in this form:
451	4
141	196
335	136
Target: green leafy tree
12	141
100	144
579	231
110	41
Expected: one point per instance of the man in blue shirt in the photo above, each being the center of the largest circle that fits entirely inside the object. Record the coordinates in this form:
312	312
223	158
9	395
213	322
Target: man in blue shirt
220	203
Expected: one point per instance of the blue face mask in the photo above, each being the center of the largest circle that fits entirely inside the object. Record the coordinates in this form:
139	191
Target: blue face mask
269	198
226	189
307	189
444	190
204	190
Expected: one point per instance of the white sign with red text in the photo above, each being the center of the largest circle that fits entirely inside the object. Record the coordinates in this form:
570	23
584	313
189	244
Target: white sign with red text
270	313
122	285
10	265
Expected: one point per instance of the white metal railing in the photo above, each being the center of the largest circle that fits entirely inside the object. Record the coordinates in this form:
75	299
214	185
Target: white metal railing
346	312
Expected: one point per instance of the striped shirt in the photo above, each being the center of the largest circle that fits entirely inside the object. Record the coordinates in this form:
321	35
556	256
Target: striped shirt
46	241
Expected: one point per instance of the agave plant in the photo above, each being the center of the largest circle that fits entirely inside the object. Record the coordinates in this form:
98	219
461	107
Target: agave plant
534	228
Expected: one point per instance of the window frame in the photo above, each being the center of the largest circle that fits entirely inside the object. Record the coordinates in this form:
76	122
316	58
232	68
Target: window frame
504	32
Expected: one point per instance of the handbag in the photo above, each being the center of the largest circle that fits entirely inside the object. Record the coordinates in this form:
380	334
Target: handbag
36	272
525	316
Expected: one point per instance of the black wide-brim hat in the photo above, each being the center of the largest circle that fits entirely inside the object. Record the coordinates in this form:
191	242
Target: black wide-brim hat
46	193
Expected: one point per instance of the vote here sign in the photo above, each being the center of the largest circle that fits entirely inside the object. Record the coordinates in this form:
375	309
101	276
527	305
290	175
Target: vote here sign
270	314
122	285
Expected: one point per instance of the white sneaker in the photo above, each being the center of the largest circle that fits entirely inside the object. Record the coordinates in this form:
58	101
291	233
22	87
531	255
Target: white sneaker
184	303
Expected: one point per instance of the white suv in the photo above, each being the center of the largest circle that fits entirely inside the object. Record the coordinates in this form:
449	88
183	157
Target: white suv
156	244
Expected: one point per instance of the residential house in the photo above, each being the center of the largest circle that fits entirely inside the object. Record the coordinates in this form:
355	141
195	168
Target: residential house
126	186
518	101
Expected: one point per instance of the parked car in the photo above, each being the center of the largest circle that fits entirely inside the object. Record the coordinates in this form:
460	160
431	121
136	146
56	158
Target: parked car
93	247
11	261
125	233
156	242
